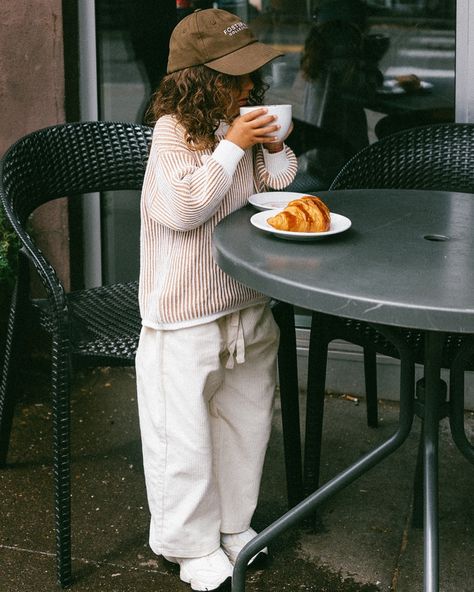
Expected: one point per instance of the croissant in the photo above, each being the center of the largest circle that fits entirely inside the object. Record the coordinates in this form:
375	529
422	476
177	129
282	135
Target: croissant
306	214
408	82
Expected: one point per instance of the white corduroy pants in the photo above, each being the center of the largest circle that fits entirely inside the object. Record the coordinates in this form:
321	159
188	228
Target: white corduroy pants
205	399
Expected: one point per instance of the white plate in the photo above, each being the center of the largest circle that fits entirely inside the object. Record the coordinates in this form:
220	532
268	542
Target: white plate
392	87
273	200
338	224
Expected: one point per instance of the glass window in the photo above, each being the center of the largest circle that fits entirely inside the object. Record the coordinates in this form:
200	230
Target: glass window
132	44
353	71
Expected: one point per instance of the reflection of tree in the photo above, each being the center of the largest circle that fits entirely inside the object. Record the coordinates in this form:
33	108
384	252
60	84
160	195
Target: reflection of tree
442	8
202	4
150	23
288	10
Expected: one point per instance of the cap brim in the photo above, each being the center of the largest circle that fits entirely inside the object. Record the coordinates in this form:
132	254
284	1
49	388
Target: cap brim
245	60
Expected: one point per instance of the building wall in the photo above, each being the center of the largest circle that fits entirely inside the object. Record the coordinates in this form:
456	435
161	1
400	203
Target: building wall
32	97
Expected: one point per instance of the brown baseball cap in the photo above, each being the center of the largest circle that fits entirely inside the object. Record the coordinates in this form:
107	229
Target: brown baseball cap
220	40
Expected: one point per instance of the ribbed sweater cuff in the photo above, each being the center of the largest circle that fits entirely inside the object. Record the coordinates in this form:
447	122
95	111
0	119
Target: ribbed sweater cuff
228	155
275	162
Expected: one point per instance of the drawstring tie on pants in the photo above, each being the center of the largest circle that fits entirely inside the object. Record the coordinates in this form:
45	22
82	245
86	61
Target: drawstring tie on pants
235	339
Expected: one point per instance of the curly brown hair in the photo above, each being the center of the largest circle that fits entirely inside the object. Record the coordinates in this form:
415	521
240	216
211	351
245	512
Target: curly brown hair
200	98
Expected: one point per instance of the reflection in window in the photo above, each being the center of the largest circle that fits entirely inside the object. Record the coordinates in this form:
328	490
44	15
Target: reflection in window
391	67
411	43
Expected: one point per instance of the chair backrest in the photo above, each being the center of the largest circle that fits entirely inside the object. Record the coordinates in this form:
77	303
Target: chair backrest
69	160
434	157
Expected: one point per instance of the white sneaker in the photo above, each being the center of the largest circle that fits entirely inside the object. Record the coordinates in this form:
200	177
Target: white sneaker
204	573
234	543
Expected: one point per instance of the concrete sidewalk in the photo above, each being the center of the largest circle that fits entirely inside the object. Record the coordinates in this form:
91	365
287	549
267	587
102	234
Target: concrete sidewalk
366	543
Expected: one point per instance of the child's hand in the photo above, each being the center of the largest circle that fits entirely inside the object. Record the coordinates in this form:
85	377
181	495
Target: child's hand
252	128
277	146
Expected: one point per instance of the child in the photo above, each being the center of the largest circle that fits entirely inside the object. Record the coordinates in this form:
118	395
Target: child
207	353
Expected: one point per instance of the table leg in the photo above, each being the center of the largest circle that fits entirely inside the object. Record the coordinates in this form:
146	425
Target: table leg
433	355
346	477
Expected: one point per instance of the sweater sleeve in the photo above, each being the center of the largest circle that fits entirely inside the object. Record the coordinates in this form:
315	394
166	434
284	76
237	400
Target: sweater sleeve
275	170
184	187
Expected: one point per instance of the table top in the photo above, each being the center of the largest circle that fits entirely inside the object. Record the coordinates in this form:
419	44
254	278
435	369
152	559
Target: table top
407	259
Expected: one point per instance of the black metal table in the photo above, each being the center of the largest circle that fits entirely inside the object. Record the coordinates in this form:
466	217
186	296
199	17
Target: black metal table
406	261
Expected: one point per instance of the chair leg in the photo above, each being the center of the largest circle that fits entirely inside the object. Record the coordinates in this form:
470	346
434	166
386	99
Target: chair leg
289	397
60	375
317	365
9	379
60	385
370	371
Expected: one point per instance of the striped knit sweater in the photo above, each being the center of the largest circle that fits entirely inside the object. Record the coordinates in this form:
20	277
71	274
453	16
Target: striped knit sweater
185	194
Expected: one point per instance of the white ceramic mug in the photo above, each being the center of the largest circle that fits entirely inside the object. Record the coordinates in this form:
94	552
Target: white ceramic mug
283	113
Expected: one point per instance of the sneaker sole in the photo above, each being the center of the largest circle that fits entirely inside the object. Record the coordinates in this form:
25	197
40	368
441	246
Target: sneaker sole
225	585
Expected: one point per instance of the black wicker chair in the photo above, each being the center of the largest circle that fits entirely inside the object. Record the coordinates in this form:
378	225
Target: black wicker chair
438	157
98	326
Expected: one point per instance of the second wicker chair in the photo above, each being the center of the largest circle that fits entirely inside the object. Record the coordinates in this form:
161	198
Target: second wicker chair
437	157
